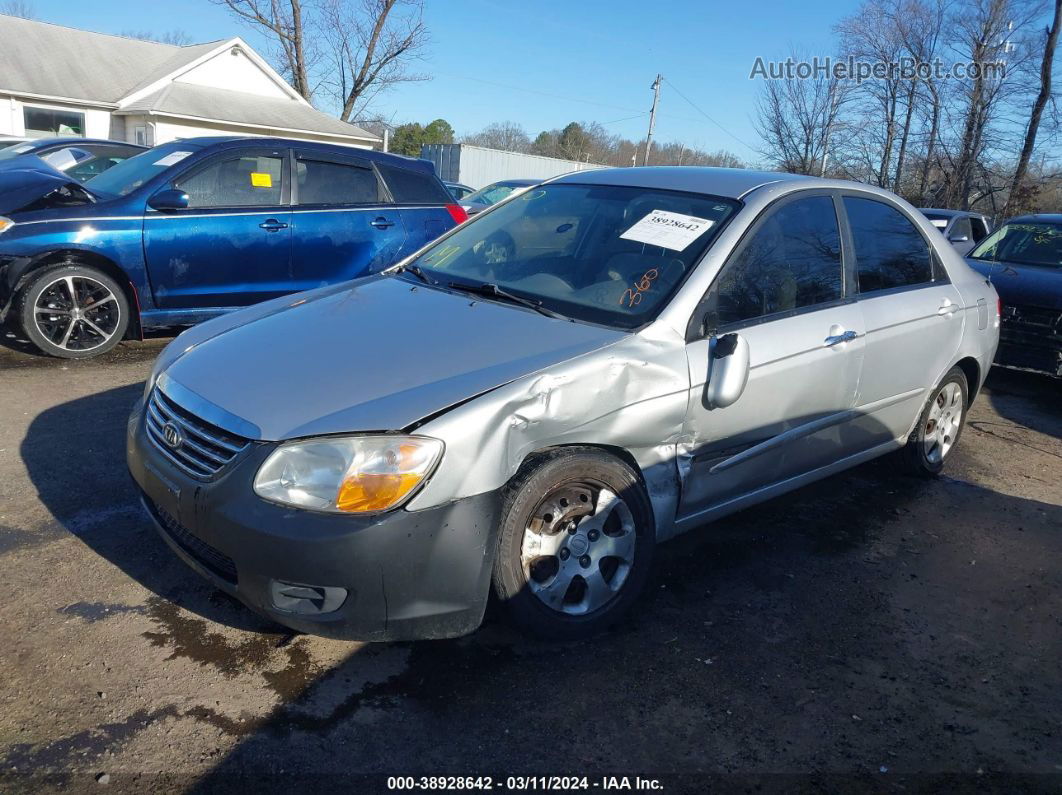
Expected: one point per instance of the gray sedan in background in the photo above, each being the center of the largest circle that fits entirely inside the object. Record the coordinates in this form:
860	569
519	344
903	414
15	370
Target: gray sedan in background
963	229
535	400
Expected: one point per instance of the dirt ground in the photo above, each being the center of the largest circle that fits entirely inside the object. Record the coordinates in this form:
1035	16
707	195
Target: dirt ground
868	632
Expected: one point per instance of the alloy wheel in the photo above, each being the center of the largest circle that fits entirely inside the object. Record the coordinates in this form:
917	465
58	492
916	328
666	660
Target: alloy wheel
944	421
77	313
578	548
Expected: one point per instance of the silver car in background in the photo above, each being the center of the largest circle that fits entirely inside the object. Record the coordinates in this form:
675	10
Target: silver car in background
531	403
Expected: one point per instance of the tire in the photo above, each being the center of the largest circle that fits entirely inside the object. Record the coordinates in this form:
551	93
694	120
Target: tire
73	311
564	513
939	426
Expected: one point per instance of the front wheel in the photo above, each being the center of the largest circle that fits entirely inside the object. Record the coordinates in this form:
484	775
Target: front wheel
576	544
939	426
73	311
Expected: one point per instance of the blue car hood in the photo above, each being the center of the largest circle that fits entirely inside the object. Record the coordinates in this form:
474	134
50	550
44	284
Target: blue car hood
376	354
26	178
1023	285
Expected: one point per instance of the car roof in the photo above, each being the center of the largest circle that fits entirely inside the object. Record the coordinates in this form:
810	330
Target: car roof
385	158
40	143
1048	218
728	182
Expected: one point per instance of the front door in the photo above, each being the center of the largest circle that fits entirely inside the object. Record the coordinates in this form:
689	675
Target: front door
232	246
784	291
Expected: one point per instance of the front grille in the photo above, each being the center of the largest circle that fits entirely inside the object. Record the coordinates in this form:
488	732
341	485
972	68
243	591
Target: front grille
209	558
202	449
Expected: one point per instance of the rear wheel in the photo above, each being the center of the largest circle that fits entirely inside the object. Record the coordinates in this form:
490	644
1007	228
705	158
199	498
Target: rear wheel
939	426
73	311
576	545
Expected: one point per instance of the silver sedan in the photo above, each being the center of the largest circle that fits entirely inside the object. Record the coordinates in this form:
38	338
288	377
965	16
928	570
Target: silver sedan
531	403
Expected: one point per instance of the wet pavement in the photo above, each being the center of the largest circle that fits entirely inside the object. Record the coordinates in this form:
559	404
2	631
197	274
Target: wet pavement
869	631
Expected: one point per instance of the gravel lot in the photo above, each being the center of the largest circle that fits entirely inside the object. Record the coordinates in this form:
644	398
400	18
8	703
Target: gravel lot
872	631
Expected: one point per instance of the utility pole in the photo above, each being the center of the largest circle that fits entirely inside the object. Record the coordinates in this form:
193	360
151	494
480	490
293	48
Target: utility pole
652	118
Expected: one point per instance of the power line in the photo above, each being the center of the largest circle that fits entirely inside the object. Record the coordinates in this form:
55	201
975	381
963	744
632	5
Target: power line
713	121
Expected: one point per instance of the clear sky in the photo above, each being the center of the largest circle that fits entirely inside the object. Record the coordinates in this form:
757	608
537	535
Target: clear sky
543	63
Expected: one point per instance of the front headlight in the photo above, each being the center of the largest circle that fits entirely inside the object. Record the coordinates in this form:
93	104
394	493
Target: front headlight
351	474
5	224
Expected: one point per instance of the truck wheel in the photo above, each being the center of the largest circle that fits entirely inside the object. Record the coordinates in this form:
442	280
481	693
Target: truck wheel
73	311
576	544
939	426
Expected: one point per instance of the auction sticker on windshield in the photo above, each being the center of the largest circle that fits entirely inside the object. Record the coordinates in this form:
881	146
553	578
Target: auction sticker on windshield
172	159
668	230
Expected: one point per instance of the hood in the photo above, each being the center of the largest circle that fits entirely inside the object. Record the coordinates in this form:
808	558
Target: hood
377	354
28	182
1023	285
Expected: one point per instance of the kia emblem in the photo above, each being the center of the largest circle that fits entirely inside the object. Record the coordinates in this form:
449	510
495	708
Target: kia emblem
172	434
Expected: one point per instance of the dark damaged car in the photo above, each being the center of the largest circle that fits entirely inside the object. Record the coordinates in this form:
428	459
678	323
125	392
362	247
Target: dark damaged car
192	229
1023	258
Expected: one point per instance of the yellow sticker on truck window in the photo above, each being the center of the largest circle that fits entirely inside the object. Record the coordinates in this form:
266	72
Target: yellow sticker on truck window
261	180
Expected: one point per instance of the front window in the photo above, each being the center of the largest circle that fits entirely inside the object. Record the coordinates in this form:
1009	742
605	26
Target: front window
1024	244
600	253
125	177
48	123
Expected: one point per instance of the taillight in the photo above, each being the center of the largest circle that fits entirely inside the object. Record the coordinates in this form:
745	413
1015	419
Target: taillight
457	212
999	306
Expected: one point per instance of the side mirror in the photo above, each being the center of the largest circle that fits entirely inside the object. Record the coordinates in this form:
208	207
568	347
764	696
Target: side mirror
959	239
169	200
728	370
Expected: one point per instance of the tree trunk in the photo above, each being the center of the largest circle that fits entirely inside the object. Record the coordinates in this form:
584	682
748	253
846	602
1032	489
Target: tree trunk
904	136
298	68
1038	107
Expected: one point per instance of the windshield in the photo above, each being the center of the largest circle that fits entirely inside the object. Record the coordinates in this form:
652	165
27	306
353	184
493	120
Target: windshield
601	253
492	194
127	176
1023	244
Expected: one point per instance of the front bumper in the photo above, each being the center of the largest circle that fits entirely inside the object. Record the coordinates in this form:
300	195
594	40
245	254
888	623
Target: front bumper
401	575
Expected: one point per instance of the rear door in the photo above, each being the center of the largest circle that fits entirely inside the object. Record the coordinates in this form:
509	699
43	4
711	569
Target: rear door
784	291
232	246
912	314
345	224
422	199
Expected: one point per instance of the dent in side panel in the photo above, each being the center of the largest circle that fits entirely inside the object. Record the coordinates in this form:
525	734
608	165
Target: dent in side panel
631	395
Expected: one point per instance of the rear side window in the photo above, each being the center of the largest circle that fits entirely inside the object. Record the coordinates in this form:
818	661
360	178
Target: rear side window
247	181
414	187
322	182
890	252
980	231
792	261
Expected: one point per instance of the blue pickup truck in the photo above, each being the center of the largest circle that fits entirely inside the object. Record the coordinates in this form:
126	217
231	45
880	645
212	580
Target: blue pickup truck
194	228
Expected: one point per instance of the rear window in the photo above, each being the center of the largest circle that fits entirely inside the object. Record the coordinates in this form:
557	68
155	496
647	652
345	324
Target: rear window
322	182
414	187
890	251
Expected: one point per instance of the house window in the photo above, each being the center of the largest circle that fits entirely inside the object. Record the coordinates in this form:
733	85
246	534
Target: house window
140	135
45	122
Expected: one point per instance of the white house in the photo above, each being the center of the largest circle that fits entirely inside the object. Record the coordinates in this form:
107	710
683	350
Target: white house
64	81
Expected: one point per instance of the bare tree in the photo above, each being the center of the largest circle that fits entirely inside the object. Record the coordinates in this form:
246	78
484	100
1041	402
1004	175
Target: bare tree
1042	98
795	119
370	45
505	135
18	8
176	37
283	21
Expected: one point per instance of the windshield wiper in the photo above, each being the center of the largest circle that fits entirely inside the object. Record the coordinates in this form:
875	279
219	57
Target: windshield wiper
492	290
416	270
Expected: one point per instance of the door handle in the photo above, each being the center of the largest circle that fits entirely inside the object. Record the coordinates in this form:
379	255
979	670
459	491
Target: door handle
381	223
837	339
947	308
272	225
